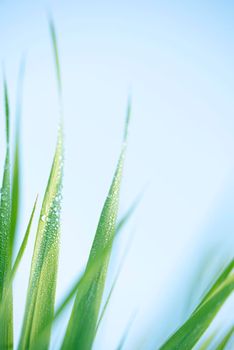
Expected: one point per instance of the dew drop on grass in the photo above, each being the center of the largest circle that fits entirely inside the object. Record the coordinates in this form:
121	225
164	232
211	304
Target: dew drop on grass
43	218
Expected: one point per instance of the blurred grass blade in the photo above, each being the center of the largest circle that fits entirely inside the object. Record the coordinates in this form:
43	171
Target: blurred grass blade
42	283
207	342
192	330
226	272
56	55
126	333
15	192
225	341
24	243
6	312
81	328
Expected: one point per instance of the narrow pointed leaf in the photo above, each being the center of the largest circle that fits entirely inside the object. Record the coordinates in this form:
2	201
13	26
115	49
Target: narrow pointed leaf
192	330
81	328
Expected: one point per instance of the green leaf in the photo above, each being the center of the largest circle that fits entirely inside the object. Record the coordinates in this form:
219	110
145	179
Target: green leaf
207	342
226	272
224	342
15	192
42	283
6	312
192	330
82	325
24	243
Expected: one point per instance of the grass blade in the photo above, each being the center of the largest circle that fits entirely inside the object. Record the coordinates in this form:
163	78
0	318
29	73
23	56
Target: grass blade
226	272
42	283
191	331
24	243
224	342
81	328
15	192
6	312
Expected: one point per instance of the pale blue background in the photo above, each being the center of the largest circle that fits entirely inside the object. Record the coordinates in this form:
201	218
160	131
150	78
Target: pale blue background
176	58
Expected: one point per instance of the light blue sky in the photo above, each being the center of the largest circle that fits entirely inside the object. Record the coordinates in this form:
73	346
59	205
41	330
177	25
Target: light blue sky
176	58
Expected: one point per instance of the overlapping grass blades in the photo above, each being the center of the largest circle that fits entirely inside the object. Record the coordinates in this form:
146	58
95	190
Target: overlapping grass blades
82	325
39	310
192	330
88	290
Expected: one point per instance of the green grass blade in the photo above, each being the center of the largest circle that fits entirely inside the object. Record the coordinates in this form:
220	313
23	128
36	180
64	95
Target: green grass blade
6	312
42	284
56	54
81	328
24	242
192	330
218	282
15	195
207	342
224	342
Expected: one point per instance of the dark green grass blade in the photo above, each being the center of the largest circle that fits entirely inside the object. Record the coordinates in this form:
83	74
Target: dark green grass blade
192	330
225	341
81	328
42	284
6	312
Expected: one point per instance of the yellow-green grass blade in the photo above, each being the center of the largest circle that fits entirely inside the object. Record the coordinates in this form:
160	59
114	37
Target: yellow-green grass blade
207	342
192	330
226	339
42	283
81	282
6	311
81	328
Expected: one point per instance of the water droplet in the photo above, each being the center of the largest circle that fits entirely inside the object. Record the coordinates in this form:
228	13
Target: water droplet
43	218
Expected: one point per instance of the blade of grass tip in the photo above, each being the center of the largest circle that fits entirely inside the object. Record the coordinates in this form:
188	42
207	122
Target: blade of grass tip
39	310
6	312
15	195
81	328
56	54
226	339
192	330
